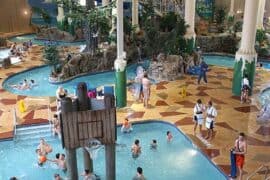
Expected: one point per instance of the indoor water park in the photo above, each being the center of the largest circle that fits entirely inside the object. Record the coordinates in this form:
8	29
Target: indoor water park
135	89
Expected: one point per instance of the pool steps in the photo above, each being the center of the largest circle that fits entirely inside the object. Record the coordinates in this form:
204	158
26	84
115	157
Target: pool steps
33	133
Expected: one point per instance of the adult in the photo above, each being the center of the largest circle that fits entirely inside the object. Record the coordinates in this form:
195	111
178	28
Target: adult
60	161
44	147
126	127
146	84
136	149
139	175
211	114
240	149
202	73
198	115
60	93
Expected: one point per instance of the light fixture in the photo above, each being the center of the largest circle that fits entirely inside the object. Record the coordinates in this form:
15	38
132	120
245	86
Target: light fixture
239	11
25	12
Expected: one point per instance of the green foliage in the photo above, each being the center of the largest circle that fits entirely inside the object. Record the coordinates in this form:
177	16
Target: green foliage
43	13
220	15
176	43
262	44
167	22
238	26
261	36
51	56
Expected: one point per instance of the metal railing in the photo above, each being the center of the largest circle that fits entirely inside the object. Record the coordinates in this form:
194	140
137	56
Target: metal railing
262	167
14	122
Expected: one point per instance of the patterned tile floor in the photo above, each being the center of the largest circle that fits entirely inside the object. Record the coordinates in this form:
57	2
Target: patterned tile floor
167	104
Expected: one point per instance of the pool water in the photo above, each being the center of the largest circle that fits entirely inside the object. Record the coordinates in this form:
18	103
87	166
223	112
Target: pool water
45	88
228	61
264	97
32	37
177	160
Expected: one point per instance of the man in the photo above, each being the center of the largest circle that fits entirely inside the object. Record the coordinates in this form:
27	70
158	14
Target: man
139	175
240	149
203	70
136	149
211	114
146	90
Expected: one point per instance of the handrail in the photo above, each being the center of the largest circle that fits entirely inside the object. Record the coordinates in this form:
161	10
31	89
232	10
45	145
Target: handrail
257	170
14	122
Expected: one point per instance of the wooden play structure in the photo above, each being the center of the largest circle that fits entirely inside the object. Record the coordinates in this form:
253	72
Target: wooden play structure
86	119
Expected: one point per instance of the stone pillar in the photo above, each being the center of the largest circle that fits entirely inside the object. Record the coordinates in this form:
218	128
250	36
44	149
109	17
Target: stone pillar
120	63
60	16
135	13
260	16
246	56
231	12
190	18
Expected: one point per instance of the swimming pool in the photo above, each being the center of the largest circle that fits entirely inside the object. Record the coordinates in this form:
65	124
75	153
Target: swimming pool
45	88
177	160
32	37
264	97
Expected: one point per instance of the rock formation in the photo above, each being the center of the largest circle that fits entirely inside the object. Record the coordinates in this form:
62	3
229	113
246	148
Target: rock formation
165	68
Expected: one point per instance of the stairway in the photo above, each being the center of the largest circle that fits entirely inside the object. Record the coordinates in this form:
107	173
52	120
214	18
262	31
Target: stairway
32	134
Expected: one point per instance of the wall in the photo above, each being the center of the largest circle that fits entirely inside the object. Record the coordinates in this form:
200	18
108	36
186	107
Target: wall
14	16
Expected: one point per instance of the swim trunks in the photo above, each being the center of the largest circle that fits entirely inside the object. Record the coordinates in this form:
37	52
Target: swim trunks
240	159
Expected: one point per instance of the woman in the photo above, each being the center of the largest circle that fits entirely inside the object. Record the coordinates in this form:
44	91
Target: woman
198	115
126	127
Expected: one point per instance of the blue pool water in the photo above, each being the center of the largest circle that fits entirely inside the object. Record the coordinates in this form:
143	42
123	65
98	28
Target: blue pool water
44	88
24	38
264	97
228	61
177	160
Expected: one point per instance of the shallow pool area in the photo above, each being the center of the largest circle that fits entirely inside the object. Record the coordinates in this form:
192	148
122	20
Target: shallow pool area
264	97
45	88
177	160
32	37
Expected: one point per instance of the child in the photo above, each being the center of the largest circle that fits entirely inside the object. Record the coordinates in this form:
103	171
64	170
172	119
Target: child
245	89
126	127
153	145
41	157
169	136
136	149
56	126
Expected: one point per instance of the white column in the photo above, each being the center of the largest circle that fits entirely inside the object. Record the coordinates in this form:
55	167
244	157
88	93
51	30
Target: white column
231	12
135	13
60	16
247	50
190	18
120	63
260	14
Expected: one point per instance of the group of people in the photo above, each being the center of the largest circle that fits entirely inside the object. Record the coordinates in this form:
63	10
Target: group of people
142	88
19	50
208	114
25	85
136	150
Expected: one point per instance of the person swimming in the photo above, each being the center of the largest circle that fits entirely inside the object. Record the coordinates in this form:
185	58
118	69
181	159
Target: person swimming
41	157
153	145
44	147
169	136
22	86
136	149
60	161
126	127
